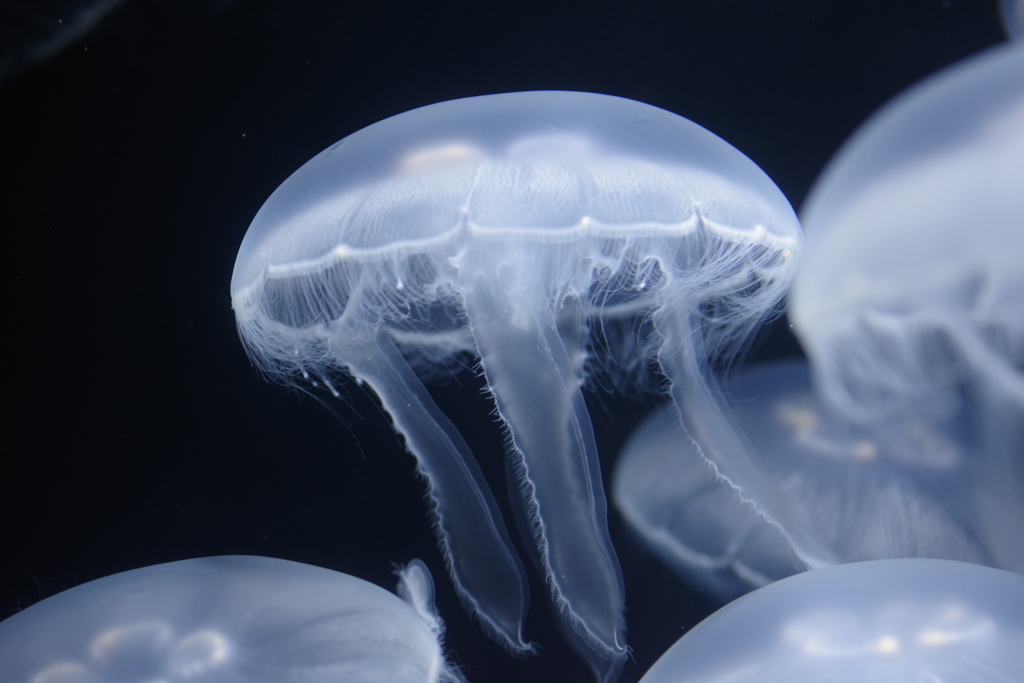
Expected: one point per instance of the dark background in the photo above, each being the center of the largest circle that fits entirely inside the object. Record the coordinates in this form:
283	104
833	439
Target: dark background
132	162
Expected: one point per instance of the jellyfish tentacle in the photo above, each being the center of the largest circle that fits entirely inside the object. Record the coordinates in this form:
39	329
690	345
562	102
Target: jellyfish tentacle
1005	377
535	384
705	418
477	550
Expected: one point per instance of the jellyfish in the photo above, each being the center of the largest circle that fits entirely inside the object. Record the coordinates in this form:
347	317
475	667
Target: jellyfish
36	33
910	298
887	620
920	493
513	230
226	619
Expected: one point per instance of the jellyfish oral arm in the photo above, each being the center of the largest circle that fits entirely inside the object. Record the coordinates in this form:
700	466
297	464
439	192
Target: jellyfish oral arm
537	392
705	418
477	550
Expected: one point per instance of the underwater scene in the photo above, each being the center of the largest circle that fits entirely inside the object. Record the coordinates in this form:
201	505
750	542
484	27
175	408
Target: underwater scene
502	342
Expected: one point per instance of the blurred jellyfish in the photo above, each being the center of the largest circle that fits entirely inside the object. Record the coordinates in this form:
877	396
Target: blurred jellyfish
31	33
879	622
911	280
922	493
230	619
508	228
1012	14
910	298
34	32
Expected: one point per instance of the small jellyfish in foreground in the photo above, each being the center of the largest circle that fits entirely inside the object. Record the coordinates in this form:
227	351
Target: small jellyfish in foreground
515	229
910	296
888	621
230	619
921	493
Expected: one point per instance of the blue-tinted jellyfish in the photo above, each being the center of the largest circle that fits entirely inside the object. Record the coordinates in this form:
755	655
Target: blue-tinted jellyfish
230	619
35	33
879	622
910	297
924	492
508	228
911	277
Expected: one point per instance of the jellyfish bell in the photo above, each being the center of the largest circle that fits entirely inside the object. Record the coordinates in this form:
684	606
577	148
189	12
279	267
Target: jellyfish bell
924	491
225	619
509	228
910	298
888	620
912	283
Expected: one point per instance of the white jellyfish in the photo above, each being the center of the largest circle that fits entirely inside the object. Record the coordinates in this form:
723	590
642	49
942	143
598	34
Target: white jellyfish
509	228
923	492
230	619
910	298
866	622
911	279
909	303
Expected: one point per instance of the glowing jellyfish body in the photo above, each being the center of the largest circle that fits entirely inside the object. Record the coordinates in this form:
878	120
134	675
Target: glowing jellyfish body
910	298
229	619
505	227
866	622
912	274
922	493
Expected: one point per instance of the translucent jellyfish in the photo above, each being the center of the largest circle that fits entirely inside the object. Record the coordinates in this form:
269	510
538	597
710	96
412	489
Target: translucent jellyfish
910	297
885	621
509	228
924	492
38	32
230	619
911	279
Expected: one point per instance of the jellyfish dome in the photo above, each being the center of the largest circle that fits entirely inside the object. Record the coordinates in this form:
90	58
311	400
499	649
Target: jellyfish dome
511	229
910	298
867	622
230	619
925	491
912	283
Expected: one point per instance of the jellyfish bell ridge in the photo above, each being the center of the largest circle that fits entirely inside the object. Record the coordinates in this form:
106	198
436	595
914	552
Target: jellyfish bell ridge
457	136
